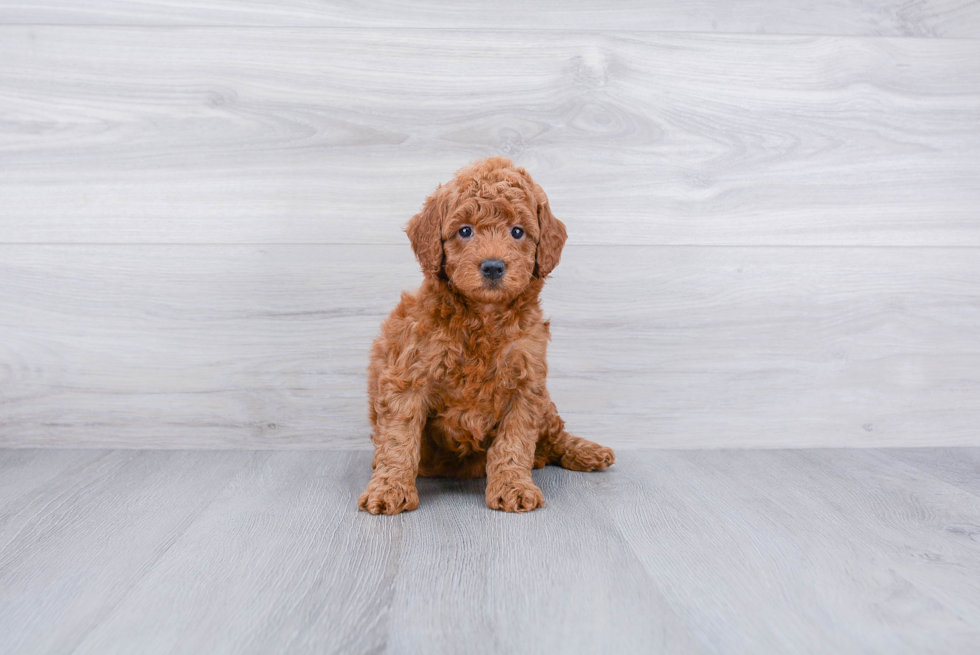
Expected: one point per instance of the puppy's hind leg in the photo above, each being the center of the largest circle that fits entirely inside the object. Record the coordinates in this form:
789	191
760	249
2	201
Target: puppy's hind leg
556	446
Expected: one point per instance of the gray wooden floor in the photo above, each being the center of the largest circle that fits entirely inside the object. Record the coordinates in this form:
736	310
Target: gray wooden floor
788	551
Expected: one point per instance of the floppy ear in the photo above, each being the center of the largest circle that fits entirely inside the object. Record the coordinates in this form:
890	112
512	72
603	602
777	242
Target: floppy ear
425	233
552	236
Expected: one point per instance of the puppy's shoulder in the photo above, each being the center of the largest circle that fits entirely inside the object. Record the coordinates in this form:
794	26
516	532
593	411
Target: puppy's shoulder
417	314
405	313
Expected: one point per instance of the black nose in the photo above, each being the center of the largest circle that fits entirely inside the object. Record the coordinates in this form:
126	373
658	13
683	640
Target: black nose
493	269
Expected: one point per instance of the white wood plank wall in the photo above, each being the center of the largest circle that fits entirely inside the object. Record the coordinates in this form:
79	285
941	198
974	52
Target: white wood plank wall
773	208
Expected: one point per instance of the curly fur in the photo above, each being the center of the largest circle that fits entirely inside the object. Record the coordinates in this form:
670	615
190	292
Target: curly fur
457	377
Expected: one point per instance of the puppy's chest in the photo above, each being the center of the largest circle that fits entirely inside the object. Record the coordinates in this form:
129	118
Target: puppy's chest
480	372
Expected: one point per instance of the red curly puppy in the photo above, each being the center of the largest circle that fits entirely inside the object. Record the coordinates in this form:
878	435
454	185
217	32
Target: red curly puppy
457	377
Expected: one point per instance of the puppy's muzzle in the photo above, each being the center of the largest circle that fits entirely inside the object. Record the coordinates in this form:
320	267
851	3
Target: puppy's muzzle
493	269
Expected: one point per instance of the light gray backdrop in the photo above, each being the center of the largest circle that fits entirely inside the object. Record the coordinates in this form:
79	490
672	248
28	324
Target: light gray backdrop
773	212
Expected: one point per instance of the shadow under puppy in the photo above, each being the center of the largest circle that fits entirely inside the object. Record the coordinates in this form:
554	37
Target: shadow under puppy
457	377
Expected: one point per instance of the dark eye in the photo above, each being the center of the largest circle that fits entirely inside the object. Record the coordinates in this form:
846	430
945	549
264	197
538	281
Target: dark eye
466	232
516	232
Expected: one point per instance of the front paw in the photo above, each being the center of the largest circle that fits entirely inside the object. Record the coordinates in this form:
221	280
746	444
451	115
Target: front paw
387	496
514	496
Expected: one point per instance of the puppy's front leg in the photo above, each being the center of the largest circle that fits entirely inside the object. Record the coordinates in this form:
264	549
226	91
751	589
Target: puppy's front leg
510	459
396	458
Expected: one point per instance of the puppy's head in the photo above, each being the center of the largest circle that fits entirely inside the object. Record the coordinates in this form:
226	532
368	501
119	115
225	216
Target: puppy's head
489	231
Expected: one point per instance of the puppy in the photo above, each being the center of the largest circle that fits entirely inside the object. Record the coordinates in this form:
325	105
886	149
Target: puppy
457	378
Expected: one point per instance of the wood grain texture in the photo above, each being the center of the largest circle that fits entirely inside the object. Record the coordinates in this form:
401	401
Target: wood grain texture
920	18
958	467
266	346
339	581
877	553
546	585
73	551
262	135
281	559
843	551
23	472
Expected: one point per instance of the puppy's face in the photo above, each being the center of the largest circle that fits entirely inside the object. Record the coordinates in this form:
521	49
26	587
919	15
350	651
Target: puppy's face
489	232
489	245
